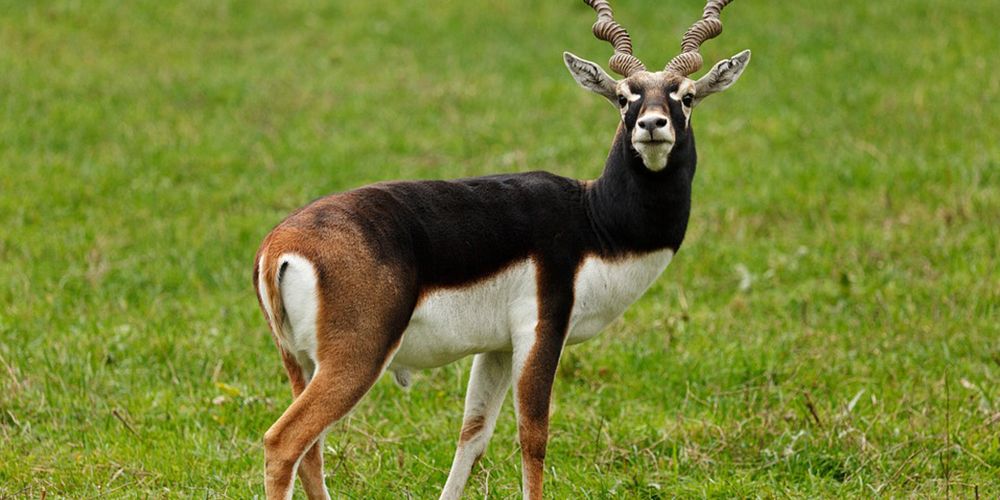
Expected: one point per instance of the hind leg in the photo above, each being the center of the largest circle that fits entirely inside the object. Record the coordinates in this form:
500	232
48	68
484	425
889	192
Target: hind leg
488	384
311	466
339	383
311	471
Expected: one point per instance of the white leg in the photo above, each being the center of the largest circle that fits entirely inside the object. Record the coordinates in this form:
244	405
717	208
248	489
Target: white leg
488	384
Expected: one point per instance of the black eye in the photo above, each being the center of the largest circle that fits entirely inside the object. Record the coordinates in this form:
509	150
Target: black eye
687	99
622	101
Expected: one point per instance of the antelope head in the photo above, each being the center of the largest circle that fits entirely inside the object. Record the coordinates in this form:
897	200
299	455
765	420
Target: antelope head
656	106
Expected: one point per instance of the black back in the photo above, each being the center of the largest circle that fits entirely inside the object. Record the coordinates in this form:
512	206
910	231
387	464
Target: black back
457	232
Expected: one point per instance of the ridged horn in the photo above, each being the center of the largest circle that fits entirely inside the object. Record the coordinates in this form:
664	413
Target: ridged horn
605	28
709	26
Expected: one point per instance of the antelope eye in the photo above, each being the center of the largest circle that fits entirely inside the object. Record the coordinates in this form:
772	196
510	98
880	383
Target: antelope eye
687	99
622	101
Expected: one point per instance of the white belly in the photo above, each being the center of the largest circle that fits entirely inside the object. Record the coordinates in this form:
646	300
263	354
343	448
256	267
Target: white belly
450	324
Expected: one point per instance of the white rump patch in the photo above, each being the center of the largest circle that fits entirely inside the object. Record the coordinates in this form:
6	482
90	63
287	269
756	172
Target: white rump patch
299	294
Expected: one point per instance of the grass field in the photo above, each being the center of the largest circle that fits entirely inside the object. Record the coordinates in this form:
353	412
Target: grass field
829	329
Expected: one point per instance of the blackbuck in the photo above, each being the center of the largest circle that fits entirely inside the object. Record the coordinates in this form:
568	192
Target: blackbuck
401	276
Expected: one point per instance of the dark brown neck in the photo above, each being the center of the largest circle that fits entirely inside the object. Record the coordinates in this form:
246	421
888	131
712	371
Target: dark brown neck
636	210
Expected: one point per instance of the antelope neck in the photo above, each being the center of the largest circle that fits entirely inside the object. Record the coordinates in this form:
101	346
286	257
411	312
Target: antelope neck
635	210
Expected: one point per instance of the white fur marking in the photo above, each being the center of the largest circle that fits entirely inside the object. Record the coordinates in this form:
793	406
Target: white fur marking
626	92
489	381
605	288
450	324
654	155
299	294
686	87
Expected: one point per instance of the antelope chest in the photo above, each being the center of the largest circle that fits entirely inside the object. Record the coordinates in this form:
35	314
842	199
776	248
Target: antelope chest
449	324
605	288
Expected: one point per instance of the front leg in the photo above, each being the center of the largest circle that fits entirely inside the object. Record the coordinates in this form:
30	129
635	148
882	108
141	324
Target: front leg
536	357
488	384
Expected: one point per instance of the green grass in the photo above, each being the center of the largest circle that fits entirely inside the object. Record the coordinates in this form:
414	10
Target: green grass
829	329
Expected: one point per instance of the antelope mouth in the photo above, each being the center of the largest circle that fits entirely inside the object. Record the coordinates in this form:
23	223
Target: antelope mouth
654	152
652	143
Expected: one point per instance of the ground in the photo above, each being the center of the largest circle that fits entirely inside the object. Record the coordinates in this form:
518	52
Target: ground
828	329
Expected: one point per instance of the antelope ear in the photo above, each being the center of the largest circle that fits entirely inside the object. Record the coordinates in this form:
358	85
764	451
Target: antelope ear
722	76
590	76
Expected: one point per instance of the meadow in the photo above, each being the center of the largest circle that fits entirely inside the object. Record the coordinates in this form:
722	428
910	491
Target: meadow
830	328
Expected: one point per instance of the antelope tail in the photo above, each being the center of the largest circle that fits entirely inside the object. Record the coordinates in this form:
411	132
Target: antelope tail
267	278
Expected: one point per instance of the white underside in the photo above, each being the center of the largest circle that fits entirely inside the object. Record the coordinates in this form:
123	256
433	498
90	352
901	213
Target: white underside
489	316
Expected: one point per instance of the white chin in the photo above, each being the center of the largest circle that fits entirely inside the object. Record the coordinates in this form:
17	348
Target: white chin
653	155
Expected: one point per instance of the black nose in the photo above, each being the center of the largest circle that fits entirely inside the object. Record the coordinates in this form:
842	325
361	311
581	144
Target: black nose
652	122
